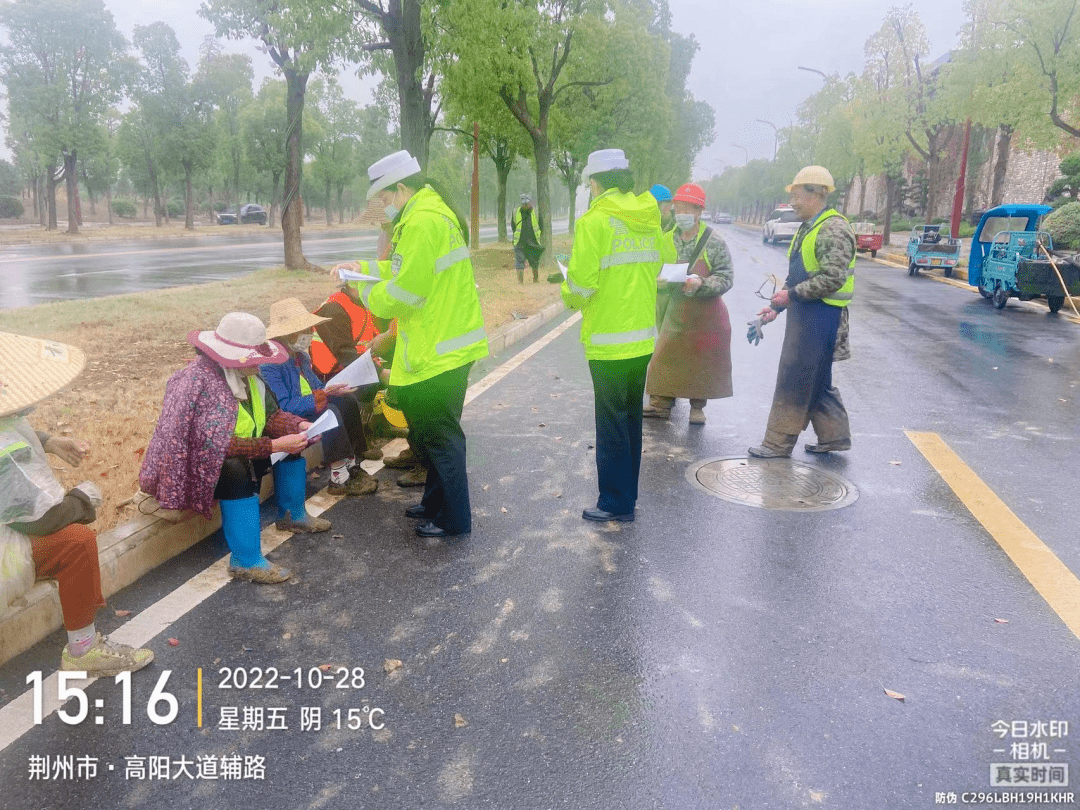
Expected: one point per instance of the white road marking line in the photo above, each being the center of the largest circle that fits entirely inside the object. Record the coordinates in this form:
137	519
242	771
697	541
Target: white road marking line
479	387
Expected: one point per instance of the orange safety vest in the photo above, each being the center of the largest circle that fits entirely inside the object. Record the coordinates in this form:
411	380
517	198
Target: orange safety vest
363	331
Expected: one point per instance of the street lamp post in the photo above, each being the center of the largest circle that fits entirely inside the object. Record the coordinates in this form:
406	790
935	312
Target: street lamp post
814	70
746	154
776	135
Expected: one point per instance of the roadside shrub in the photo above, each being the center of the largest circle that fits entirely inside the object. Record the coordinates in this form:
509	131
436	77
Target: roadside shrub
125	209
967	230
1063	225
10	207
175	209
901	225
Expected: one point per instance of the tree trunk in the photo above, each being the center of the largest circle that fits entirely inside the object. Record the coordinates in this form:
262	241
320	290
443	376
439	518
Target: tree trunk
573	204
502	170
329	210
292	216
862	194
50	196
189	198
274	200
108	203
341	204
1001	166
407	45
889	186
71	186
157	195
542	149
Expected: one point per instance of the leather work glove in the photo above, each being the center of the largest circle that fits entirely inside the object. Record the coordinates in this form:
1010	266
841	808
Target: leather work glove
755	333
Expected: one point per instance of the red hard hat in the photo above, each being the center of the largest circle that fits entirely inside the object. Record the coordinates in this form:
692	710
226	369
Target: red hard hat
691	193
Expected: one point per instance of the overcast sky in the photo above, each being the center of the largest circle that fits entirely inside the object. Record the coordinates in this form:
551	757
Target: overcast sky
746	68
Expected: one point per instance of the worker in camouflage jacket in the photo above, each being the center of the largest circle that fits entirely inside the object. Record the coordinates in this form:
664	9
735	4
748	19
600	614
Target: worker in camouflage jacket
819	287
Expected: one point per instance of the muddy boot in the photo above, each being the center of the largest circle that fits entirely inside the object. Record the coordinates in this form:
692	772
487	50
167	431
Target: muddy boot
416	477
356	482
402	461
290	490
658	407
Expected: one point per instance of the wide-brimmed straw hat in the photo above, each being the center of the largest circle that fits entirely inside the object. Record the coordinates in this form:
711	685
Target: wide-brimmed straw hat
239	342
32	370
289	316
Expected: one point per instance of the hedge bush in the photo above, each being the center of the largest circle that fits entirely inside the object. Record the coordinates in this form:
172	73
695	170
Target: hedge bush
10	208
125	209
1063	225
175	209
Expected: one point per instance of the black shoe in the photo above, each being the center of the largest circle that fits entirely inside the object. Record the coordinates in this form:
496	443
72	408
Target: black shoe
429	529
415	511
600	516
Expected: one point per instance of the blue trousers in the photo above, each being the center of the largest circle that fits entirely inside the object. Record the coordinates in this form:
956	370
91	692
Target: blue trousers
619	390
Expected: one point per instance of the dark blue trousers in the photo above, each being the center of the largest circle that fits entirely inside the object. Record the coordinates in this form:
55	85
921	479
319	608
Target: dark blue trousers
619	390
433	409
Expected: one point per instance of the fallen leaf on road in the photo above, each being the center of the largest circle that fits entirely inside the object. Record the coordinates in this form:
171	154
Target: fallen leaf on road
286	636
326	667
503	509
1002	621
894	695
486	487
503	660
1062	400
459	721
994	368
122	613
558	438
338	536
542	425
895	463
391	665
174	642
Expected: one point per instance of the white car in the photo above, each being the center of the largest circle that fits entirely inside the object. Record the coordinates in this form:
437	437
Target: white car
781	225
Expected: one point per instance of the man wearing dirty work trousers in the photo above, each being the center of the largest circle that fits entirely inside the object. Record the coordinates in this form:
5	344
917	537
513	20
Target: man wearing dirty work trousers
612	280
819	287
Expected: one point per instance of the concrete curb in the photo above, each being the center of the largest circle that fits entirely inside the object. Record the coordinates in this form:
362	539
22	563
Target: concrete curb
135	548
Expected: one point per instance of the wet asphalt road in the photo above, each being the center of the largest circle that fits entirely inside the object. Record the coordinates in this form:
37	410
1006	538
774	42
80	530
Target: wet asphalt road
36	274
710	655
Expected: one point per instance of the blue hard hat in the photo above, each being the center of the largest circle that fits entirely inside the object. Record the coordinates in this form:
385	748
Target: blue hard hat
661	193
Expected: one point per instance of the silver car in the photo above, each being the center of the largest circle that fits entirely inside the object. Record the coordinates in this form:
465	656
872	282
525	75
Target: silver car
781	225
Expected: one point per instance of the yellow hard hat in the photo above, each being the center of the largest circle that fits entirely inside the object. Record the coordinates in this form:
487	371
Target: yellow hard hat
813	176
393	416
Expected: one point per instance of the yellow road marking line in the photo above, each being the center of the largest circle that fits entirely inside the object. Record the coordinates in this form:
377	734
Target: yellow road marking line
198	710
1042	568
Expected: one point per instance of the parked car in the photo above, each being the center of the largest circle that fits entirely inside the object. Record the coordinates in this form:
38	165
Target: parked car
249	213
706	216
782	224
722	218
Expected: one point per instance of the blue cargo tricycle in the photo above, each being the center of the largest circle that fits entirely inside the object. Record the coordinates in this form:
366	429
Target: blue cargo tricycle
927	247
1010	257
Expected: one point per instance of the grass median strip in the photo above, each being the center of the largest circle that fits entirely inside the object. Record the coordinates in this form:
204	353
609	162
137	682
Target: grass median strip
1052	579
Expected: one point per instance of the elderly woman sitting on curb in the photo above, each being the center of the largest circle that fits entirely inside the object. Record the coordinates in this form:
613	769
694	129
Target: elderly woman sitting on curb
299	391
218	427
33	504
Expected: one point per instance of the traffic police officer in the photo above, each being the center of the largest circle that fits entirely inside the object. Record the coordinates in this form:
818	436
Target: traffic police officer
611	278
429	287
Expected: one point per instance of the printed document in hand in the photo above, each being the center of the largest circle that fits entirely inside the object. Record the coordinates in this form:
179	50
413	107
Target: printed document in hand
562	269
350	275
674	273
360	371
324	423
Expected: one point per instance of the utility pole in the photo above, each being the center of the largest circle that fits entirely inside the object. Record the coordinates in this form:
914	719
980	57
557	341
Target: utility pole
475	219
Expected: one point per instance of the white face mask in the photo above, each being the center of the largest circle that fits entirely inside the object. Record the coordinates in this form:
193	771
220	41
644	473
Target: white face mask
391	211
302	343
685	222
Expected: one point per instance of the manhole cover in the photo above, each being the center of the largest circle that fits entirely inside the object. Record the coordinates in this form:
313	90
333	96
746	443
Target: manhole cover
772	483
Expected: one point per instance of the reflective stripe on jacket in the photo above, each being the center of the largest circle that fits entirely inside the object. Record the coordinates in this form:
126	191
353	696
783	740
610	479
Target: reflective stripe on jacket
431	290
808	254
612	273
251	417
